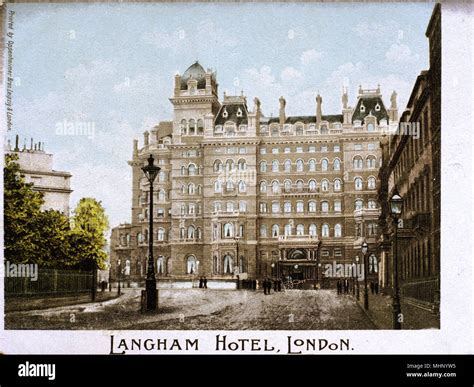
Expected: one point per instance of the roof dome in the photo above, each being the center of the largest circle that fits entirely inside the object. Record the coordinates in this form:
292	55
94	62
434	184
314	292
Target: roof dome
197	72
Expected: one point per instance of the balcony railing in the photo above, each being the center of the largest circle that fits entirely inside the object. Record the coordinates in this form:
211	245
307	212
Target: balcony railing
297	238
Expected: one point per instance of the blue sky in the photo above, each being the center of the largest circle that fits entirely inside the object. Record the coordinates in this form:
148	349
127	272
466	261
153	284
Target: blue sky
113	65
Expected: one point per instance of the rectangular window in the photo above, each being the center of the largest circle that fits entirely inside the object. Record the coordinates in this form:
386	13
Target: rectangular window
299	149
357	147
324	253
287	150
337	252
337	148
243	151
263	151
324	148
275	151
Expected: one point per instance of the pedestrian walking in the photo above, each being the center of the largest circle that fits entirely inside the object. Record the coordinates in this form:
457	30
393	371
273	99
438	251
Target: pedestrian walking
200	282
204	281
338	286
265	284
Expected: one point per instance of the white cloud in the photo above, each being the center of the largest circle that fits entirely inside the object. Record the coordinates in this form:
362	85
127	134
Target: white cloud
400	53
310	56
375	29
290	74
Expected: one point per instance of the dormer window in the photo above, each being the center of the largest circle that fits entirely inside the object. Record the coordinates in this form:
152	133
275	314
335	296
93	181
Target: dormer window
224	113
239	112
377	107
362	108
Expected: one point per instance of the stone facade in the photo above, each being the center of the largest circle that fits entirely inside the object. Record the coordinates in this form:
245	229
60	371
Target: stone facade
411	165
37	167
240	194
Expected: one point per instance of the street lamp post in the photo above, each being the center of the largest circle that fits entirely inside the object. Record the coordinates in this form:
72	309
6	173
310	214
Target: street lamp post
396	207
364	249
151	171
357	281
119	272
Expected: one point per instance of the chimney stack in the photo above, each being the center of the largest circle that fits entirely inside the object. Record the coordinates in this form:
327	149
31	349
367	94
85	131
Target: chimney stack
146	137
17	139
282	111
319	101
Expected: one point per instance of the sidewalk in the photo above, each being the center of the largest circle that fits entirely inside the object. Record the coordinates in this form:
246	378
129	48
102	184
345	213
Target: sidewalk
17	304
381	313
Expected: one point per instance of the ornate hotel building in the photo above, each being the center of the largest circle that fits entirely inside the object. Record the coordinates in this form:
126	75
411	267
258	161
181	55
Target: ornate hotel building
241	194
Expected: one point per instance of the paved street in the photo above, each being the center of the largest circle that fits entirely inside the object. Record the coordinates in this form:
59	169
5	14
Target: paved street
204	309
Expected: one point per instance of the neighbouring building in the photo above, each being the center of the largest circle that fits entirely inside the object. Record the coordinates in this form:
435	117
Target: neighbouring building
411	165
37	167
243	194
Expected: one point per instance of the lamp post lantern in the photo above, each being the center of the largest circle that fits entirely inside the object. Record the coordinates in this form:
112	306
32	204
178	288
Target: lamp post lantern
365	248
396	207
151	171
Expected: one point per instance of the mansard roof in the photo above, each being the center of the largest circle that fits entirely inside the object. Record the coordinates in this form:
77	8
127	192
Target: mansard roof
232	110
370	102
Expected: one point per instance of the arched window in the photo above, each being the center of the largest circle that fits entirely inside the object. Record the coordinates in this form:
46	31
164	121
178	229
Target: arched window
371	183
357	162
313	231
312	185
140	237
275	207
299	165
300	206
191	208
275	166
229	207
218	186
192	170
358	183
191	265
299	185
161	195
229	185
263	166
324	165
217	207
161	176
337	165
324	129
287	166
183	189
299	130
228	264
191	231
183	126
263	231
275	131
275	230
218	166
324	206
312	206
275	187
312	165
287	207
198	233
184	171
337	185
182	233
300	229
192	127
288	229
337	206
337	231
242	165
325	230
324	185
161	234
243	206
160	265
359	204
242	186
373	264
372	204
263	187
228	230
200	126
287	185
371	161
191	189
229	165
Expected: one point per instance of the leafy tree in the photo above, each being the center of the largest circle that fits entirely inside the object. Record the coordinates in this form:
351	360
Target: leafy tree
90	223
21	207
